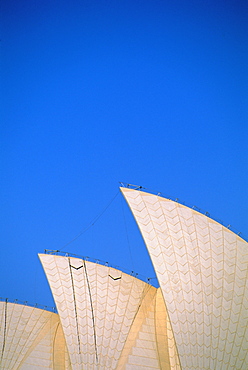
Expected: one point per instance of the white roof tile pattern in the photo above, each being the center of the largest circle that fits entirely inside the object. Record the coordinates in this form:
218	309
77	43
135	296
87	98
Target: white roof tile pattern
109	318
26	337
202	270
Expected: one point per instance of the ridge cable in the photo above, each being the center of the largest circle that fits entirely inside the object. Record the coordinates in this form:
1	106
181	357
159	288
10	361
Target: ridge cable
5	328
92	311
127	236
92	223
75	306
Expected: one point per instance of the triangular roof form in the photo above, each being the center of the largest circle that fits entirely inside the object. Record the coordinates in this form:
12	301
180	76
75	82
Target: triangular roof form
202	270
29	338
110	319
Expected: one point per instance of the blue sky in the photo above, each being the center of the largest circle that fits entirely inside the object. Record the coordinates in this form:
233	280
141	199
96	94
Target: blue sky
152	93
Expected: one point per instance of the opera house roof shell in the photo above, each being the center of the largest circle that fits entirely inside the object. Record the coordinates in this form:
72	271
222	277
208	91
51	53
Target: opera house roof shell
107	319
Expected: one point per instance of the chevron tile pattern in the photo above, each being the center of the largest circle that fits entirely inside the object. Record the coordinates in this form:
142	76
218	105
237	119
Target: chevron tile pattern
26	337
202	270
104	314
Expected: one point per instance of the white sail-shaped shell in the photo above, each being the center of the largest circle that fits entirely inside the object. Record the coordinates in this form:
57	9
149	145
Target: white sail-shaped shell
202	270
110	320
30	339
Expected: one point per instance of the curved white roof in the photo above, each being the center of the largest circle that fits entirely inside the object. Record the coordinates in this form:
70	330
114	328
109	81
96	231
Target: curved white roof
110	320
30	338
202	270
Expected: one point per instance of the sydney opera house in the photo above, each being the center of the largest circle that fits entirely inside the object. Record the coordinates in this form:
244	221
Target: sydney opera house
107	319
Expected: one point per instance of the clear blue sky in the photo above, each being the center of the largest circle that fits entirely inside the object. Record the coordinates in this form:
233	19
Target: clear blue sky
153	93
